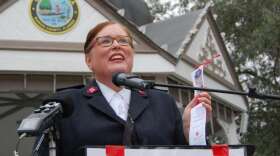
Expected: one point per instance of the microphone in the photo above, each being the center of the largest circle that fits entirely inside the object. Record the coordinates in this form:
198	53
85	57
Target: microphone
130	81
45	116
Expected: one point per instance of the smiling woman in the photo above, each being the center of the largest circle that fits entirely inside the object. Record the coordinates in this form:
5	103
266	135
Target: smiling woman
106	114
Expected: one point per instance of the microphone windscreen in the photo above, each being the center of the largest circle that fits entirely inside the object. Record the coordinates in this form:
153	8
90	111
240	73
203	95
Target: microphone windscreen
117	77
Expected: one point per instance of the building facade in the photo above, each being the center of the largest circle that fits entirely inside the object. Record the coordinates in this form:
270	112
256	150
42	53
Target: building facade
41	50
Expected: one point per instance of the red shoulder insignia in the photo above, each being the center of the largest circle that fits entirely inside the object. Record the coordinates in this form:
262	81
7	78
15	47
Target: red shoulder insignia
92	90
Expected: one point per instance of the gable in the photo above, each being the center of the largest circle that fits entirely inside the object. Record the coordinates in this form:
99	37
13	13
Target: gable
171	33
205	46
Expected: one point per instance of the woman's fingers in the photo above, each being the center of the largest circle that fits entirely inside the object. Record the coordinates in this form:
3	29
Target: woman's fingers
192	103
203	98
208	107
204	94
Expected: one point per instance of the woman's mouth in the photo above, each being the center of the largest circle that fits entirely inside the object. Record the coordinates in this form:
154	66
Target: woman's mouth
116	57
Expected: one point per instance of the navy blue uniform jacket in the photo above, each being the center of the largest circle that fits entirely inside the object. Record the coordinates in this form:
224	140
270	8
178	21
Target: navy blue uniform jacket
157	120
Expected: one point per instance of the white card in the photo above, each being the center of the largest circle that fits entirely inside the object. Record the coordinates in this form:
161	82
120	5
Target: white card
198	113
197	125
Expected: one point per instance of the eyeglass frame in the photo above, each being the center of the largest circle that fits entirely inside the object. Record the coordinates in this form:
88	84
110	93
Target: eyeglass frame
113	39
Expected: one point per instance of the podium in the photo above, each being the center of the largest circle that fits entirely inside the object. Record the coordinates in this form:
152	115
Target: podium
231	150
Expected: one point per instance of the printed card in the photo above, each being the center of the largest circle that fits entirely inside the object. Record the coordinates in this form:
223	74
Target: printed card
198	113
197	77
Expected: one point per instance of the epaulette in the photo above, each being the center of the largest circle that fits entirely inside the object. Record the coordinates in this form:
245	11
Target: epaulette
71	87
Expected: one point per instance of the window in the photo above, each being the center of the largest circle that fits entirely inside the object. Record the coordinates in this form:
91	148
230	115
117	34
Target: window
225	113
182	96
174	91
186	96
214	108
228	115
221	111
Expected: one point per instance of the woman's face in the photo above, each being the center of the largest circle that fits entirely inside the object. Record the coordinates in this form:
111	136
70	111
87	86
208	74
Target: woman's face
105	59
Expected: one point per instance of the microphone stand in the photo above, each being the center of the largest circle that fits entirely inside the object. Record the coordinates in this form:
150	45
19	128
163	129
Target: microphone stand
251	93
52	144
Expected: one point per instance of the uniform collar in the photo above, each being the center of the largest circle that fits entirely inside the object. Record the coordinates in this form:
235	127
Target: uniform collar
138	103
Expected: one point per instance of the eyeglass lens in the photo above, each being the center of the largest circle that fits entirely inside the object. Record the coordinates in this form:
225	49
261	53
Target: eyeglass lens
108	40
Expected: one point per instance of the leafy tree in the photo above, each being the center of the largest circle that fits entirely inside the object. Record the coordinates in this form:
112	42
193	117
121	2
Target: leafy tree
160	10
251	30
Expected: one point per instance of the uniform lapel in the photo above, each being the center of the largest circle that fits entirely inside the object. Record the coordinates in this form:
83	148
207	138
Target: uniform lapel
138	103
97	101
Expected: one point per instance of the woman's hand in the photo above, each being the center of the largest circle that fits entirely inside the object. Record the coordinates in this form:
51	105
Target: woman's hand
203	98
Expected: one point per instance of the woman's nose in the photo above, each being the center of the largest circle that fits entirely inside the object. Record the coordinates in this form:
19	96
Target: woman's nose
115	44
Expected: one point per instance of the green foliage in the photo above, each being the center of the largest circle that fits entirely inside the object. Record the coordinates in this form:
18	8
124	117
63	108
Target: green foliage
45	5
159	10
252	29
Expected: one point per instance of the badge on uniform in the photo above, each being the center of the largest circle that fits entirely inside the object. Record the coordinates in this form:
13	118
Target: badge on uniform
92	90
142	93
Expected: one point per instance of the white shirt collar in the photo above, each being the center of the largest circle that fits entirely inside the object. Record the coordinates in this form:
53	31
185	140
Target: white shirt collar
108	93
119	101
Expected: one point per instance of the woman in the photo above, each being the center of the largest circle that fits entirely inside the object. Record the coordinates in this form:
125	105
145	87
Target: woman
105	114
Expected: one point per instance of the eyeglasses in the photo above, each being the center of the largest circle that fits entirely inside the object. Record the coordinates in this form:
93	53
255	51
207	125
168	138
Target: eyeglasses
107	41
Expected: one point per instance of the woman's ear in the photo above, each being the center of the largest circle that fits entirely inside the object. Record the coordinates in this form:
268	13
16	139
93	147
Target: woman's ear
88	61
